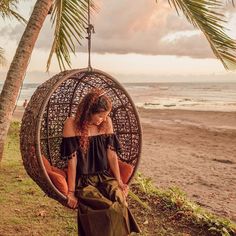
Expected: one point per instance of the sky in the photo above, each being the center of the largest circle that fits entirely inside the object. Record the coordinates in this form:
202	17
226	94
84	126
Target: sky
141	42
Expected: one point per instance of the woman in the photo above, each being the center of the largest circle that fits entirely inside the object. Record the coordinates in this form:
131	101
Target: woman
91	147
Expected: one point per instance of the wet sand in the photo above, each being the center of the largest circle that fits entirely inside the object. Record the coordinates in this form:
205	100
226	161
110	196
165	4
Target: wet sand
194	150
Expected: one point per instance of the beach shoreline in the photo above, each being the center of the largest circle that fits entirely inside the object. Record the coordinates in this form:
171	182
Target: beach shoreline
193	150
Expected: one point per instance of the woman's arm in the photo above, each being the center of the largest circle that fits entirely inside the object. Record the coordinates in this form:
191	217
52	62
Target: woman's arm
72	200
72	173
114	166
111	154
113	163
113	160
68	131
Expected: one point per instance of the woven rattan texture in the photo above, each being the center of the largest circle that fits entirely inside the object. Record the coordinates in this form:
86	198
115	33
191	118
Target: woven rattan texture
53	102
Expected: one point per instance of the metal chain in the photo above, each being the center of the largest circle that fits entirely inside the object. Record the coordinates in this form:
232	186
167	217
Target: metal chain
90	30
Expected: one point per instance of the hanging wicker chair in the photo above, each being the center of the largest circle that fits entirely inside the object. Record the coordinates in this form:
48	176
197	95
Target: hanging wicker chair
53	102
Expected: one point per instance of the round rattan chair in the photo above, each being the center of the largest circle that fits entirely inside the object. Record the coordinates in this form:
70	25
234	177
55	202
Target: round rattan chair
53	102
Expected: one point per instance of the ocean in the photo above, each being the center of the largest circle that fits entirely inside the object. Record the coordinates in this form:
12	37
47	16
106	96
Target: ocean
187	96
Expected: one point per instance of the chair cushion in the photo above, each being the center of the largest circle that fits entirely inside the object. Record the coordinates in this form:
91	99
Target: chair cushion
59	171
59	181
126	171
57	176
46	163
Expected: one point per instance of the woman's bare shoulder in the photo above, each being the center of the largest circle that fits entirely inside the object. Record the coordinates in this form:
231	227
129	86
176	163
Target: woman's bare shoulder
69	127
109	125
70	119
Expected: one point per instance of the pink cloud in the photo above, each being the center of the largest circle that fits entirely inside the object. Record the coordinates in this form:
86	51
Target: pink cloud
135	27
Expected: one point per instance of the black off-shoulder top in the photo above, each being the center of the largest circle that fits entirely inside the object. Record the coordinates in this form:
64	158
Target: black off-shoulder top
95	160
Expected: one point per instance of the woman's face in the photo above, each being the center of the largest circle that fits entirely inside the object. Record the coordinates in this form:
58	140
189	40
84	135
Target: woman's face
98	118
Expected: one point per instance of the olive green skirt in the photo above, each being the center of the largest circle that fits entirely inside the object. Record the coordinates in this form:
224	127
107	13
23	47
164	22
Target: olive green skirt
102	209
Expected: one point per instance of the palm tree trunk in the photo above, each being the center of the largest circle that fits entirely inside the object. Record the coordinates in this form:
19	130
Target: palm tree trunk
18	67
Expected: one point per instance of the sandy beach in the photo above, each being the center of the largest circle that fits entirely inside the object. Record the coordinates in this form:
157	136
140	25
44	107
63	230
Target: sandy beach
194	150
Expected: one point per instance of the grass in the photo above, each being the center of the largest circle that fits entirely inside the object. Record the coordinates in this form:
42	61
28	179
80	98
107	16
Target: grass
25	210
178	209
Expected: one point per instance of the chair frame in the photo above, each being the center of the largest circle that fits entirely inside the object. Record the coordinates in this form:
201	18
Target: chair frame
36	136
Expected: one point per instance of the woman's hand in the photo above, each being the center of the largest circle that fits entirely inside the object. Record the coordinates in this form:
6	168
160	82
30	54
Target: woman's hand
124	188
72	200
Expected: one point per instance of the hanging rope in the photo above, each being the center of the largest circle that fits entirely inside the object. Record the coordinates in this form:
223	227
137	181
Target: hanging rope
90	30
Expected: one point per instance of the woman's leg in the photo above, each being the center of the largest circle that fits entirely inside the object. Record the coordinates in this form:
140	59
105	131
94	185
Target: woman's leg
94	212
110	189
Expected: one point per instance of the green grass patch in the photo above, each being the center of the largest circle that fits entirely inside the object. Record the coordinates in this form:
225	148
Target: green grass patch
179	209
25	210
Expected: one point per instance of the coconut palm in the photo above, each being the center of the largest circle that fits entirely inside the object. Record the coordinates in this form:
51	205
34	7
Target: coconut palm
69	18
7	10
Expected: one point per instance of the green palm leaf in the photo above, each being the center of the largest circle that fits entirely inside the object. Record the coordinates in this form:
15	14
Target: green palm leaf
7	10
205	15
69	17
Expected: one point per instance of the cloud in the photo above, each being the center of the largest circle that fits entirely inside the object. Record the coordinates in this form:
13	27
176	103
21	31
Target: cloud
126	27
140	29
12	33
123	28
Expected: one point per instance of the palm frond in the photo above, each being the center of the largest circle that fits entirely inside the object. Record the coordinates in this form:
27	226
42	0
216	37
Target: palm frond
69	17
206	16
2	58
8	9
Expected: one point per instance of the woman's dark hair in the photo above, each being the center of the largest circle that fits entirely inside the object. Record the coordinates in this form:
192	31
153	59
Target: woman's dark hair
94	102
